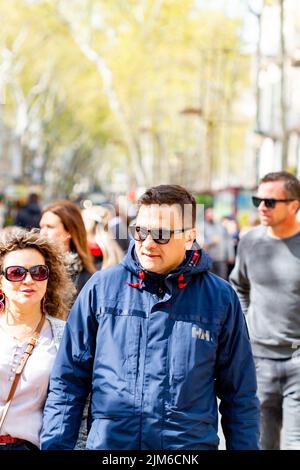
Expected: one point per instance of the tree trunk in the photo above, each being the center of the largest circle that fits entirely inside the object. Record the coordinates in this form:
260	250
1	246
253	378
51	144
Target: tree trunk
283	104
115	105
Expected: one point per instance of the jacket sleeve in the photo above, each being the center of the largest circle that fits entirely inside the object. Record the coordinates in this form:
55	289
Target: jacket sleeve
239	277
70	381
236	382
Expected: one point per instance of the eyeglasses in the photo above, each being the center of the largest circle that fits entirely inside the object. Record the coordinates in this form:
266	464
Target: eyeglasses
159	235
39	272
270	203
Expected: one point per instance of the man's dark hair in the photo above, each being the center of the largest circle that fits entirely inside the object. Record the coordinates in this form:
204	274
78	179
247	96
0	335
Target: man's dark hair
291	183
33	198
170	194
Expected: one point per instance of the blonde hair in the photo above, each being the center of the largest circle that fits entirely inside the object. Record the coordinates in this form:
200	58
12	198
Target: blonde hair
111	251
96	222
60	289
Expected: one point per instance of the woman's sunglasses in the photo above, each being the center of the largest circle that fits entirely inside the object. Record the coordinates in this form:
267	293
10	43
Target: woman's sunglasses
270	203
39	272
159	235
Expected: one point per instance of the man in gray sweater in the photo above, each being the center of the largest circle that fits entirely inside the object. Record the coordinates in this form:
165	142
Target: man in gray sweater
266	278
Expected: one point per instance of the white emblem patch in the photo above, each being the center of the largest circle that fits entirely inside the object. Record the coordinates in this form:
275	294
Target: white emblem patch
199	333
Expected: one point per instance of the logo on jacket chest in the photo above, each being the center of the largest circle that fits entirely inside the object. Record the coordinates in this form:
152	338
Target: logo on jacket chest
200	333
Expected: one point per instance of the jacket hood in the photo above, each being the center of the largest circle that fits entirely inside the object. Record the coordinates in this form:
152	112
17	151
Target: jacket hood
196	261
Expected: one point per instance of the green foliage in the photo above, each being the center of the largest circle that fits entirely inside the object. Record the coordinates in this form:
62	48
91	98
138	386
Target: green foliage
175	69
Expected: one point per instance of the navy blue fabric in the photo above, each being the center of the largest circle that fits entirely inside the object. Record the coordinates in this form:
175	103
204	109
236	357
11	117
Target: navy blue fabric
158	351
25	445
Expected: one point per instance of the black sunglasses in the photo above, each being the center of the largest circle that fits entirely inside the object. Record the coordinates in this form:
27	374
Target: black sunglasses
161	236
39	272
270	203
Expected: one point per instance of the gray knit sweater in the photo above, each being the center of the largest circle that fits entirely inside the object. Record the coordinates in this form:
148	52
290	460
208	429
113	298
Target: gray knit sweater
266	278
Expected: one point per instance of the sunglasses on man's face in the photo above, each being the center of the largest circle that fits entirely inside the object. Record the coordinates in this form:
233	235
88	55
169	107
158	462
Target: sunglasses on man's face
159	235
39	272
270	203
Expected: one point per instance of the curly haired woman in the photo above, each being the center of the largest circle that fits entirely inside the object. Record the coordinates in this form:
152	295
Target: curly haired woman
35	295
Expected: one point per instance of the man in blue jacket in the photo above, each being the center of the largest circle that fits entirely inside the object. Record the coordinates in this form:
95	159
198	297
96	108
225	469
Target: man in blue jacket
155	340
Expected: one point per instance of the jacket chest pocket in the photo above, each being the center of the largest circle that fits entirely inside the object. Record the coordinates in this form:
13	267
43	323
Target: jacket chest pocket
192	348
192	357
117	361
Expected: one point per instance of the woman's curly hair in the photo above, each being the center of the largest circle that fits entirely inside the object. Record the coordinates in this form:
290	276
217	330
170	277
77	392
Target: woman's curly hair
60	289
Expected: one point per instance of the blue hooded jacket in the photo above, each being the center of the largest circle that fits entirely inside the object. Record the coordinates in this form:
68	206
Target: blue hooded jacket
155	352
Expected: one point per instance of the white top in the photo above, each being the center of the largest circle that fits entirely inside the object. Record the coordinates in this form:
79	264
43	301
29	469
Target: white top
31	392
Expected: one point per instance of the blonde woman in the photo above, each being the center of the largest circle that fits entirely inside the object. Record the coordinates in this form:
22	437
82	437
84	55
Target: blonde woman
96	223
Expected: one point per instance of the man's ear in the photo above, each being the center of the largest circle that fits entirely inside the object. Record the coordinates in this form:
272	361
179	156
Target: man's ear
190	236
295	205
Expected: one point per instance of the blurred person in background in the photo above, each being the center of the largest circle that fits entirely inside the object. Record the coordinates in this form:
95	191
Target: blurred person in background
266	279
232	227
252	222
105	250
36	293
118	226
91	217
61	220
218	243
29	215
2	211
